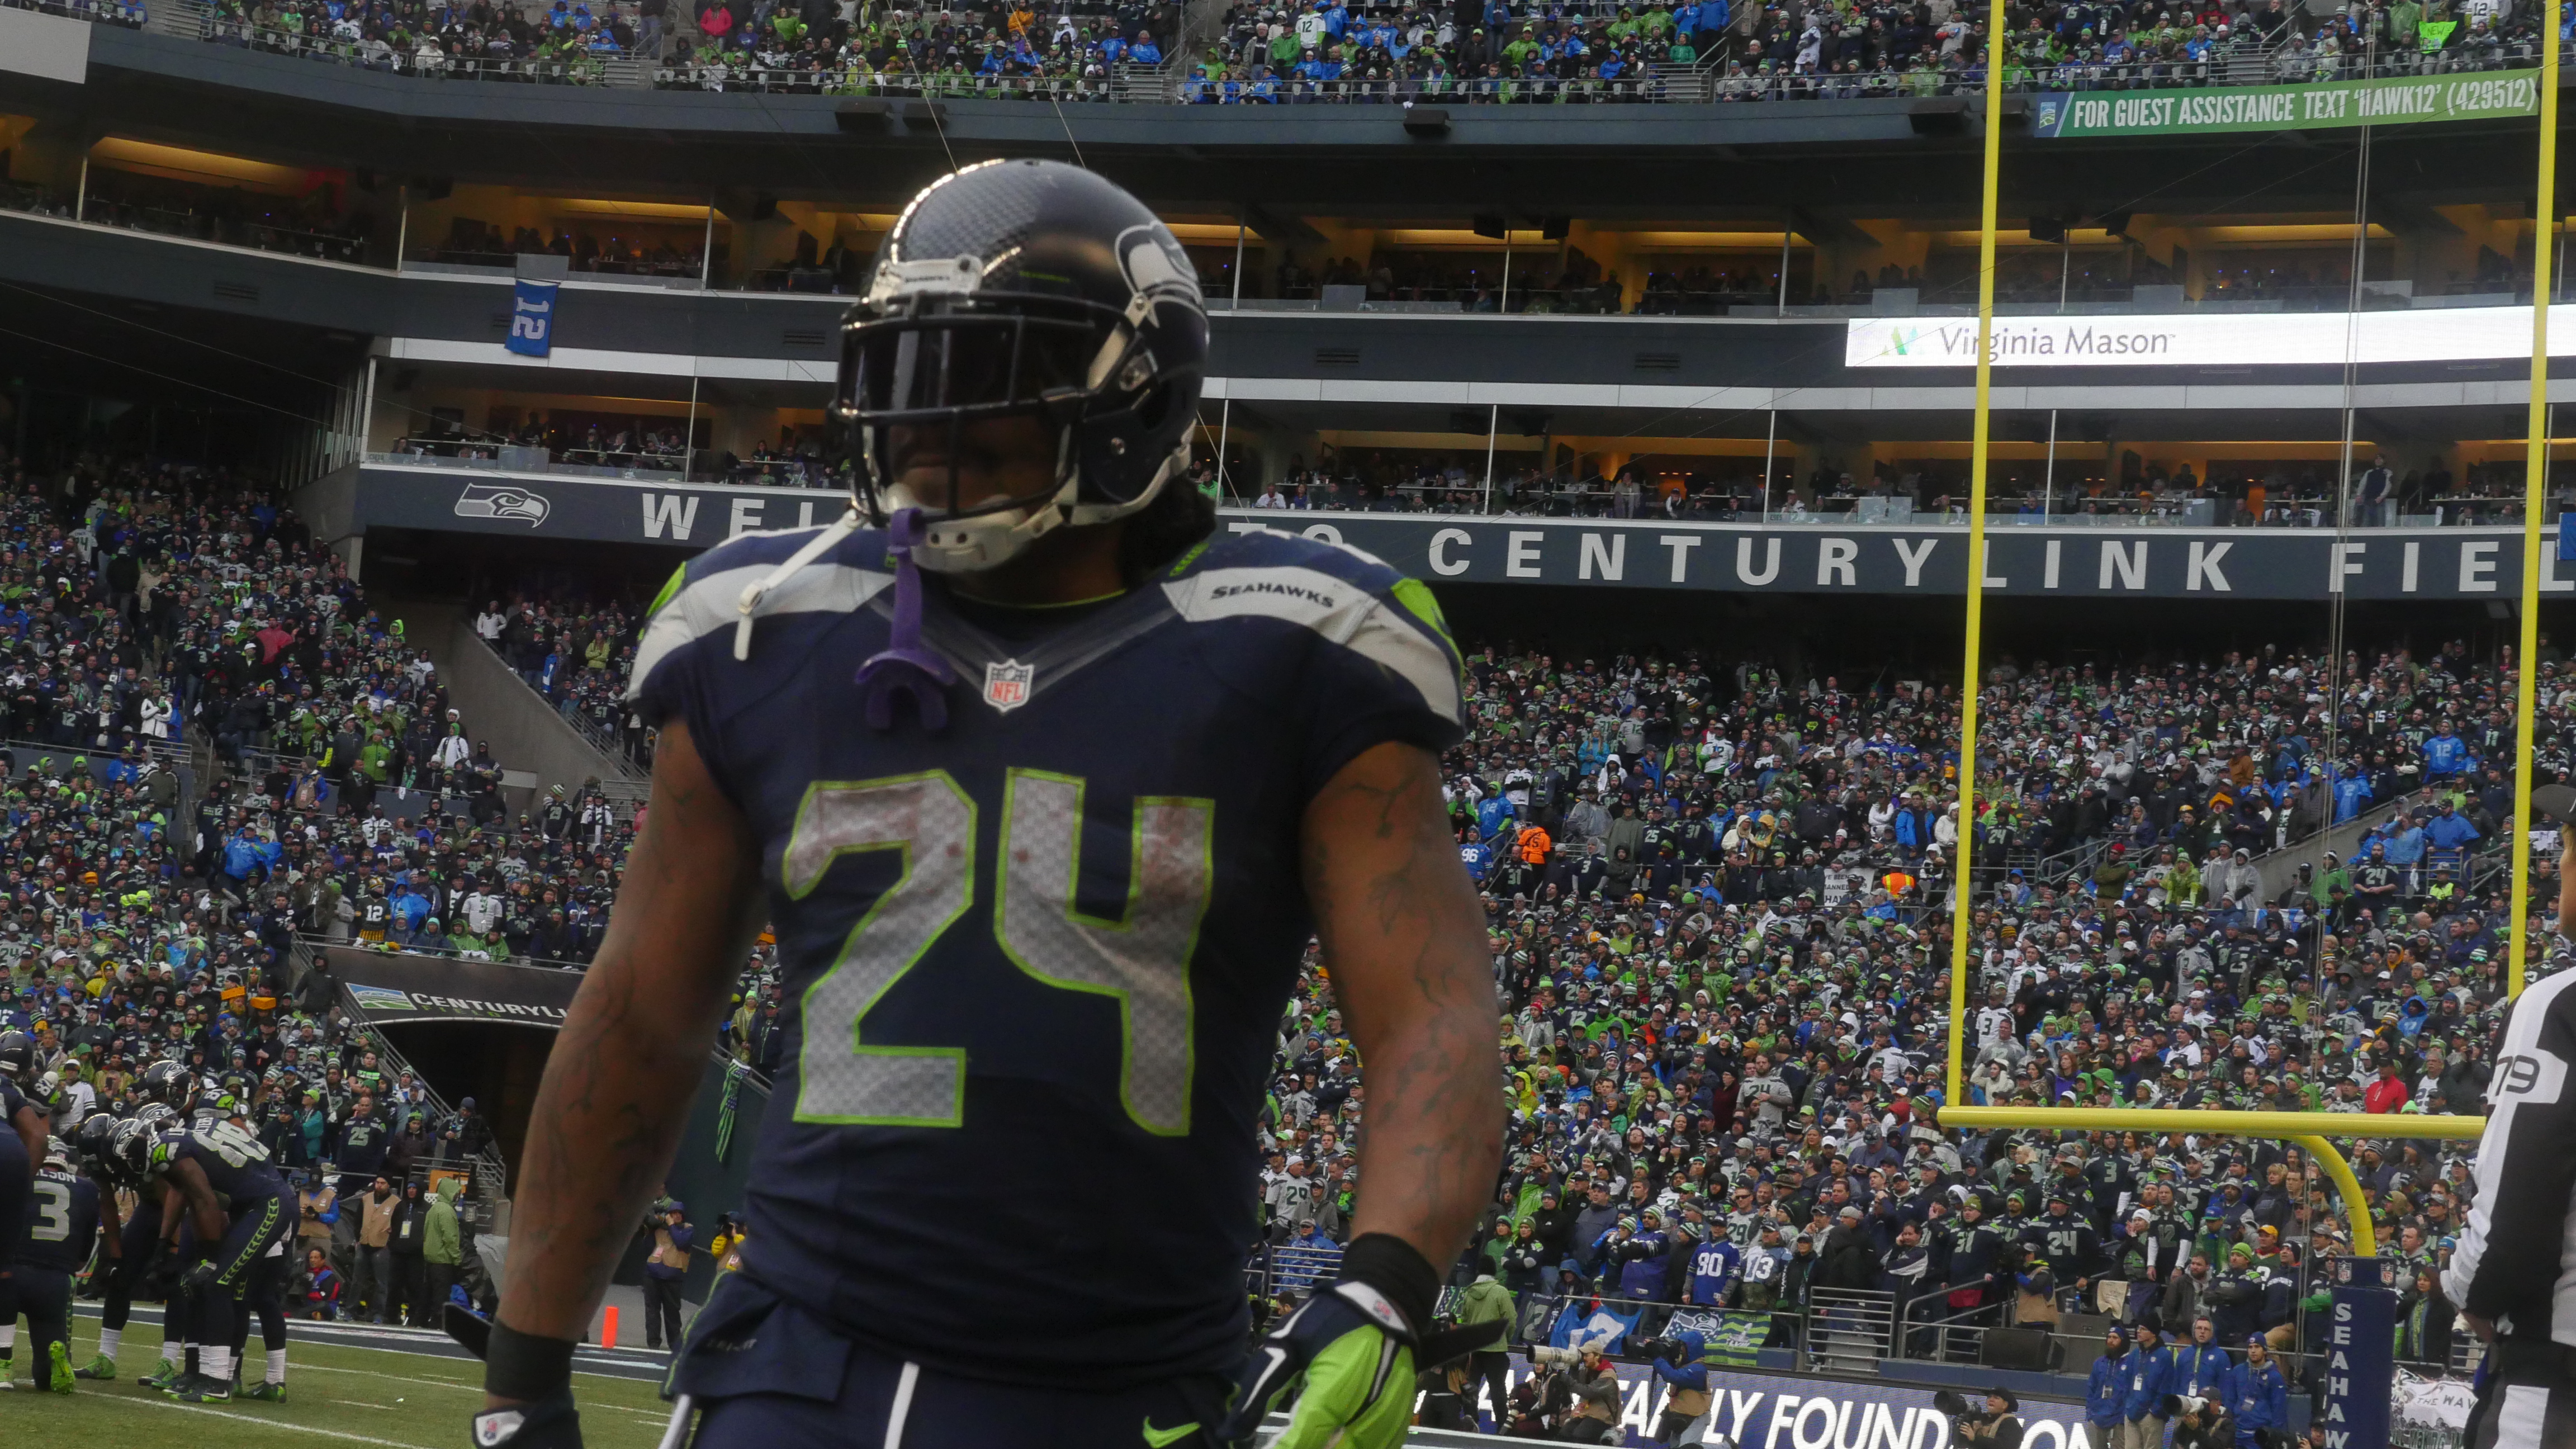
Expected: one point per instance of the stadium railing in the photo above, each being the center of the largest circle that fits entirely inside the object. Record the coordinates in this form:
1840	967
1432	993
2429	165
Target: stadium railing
1536	498
311	943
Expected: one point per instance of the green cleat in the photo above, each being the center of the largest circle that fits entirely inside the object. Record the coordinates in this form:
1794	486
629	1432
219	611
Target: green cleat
205	1390
164	1376
101	1367
266	1393
59	1362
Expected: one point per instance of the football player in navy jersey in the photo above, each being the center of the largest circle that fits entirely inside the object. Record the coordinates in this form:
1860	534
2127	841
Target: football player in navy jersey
94	1141
216	1180
22	1149
1044	790
61	1227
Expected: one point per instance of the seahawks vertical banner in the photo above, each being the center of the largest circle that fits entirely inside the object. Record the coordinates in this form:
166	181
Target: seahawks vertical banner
2360	1353
532	319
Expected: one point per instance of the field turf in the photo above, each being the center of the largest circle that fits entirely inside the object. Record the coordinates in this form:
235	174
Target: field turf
335	1395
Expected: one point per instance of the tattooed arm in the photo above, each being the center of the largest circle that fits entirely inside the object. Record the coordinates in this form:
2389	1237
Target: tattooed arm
1404	939
610	1111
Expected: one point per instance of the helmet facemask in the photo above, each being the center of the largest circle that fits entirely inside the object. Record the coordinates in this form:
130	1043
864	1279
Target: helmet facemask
932	350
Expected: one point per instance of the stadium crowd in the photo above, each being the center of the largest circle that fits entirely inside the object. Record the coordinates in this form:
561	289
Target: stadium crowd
149	610
1719	914
1718	901
561	43
1266	51
1329	50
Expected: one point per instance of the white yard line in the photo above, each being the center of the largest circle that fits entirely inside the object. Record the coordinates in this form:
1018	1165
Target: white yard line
285	1424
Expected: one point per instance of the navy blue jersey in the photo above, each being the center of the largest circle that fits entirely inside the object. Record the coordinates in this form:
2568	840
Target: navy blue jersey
1035	961
11	1099
235	1163
62	1222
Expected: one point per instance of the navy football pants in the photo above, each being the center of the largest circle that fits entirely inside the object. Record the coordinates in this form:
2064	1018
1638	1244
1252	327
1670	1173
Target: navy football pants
17	1180
886	1403
45	1297
768	1376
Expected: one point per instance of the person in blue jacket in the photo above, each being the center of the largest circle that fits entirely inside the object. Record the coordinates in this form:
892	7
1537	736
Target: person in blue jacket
2150	1370
1686	1369
2106	1394
2258	1398
2200	1367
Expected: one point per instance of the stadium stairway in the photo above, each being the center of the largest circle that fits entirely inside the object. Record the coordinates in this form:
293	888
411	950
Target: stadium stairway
2275	869
536	746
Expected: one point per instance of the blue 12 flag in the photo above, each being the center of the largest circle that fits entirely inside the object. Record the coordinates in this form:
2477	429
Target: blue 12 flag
532	319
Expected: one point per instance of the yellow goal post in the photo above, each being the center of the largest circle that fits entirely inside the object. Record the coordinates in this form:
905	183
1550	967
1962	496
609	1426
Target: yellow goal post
2310	1130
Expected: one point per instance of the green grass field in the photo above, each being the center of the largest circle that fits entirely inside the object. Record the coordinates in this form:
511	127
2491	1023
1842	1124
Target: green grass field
335	1395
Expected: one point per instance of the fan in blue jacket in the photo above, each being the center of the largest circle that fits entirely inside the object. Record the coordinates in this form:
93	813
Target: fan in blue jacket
2106	1395
2258	1398
2150	1369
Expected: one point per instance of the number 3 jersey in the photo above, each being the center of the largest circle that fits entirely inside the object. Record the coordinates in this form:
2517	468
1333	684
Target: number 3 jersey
1034	960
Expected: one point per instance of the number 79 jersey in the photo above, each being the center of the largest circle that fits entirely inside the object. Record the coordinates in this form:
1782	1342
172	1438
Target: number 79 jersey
1035	960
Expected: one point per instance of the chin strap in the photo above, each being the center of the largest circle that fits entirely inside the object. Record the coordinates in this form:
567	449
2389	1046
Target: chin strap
904	666
752	593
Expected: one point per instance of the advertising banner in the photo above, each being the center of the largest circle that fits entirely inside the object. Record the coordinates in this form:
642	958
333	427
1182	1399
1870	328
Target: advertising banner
1771	1411
532	319
390	989
2148	563
2023	557
2402	100
2210	339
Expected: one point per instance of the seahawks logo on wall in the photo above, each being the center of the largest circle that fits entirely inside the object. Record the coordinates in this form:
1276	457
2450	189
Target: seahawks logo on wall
487	500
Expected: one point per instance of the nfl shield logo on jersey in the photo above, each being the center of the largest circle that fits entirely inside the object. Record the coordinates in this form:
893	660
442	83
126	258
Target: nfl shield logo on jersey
1006	685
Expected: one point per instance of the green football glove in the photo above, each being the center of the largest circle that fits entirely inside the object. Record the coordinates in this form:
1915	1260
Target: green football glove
1347	1354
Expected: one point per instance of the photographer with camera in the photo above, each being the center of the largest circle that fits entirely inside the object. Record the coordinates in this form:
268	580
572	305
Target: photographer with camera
664	1270
1680	1361
1994	1423
2199	1423
1593	1414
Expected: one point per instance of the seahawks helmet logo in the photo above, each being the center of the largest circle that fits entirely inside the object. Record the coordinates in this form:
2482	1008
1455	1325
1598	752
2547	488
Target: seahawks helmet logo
487	500
1157	267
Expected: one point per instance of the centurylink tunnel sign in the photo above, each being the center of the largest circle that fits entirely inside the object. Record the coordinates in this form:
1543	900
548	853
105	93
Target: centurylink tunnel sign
1801	558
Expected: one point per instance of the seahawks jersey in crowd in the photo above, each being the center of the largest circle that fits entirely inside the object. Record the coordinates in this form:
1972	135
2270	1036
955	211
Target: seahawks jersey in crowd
1035	960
